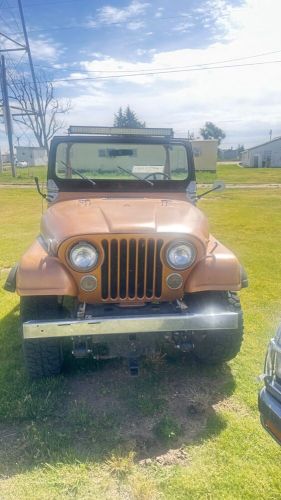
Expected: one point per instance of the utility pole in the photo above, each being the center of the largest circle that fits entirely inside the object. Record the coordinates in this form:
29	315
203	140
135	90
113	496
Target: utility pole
27	46
7	114
1	162
17	46
270	134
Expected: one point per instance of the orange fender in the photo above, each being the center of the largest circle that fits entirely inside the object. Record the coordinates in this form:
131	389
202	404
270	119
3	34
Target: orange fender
41	274
219	270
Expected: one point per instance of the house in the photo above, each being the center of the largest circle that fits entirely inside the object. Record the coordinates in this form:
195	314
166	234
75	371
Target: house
5	157
263	156
230	154
34	156
205	153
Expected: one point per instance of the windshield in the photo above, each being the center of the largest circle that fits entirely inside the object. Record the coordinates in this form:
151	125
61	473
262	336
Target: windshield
109	161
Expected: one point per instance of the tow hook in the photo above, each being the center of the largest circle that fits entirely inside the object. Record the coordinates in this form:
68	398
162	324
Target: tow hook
133	367
182	342
185	346
81	348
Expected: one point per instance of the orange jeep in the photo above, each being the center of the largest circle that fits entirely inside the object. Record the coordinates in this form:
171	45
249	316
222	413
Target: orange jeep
124	263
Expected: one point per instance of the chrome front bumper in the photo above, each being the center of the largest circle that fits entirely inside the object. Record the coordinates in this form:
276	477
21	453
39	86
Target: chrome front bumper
131	324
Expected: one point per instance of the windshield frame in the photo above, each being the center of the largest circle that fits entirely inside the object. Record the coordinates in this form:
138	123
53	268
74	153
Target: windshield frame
122	185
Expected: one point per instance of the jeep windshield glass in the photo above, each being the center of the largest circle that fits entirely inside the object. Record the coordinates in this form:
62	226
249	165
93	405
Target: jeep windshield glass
121	161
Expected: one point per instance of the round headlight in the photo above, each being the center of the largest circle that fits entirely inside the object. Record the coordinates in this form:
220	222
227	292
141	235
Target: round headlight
181	255
83	256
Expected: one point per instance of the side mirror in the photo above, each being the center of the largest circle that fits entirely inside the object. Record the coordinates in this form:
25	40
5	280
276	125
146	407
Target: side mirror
217	186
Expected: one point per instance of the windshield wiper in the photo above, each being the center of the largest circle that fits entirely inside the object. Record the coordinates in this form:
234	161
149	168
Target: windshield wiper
79	173
136	176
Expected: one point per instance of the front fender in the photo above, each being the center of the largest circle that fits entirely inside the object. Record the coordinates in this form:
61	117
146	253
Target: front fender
219	270
41	274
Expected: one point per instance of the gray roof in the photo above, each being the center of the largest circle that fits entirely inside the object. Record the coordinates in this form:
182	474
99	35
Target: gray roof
264	144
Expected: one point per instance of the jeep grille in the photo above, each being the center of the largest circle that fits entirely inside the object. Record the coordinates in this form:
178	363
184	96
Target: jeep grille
132	269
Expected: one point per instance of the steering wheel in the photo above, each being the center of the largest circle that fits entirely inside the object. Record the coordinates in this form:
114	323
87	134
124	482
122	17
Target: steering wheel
166	176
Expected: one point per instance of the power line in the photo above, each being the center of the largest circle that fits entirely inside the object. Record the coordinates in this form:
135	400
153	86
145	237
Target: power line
13	16
16	46
153	73
161	69
41	4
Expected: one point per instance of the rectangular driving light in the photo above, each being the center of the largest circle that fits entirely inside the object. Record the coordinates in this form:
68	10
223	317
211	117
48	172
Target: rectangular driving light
153	132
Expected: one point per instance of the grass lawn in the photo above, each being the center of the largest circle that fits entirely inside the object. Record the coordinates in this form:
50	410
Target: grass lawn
230	173
234	174
179	430
24	175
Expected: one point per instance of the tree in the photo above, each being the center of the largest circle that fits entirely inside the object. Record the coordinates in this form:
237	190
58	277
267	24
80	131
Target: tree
22	91
211	131
127	119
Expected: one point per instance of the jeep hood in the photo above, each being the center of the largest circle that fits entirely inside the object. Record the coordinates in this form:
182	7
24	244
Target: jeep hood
81	217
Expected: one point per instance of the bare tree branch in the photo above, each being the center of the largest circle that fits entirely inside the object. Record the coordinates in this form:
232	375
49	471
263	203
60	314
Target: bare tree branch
21	89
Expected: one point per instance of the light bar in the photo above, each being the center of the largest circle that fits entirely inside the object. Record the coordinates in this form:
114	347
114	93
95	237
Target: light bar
86	130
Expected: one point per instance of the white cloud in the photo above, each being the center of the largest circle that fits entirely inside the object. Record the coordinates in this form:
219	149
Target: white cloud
112	15
159	12
184	26
135	25
244	101
45	49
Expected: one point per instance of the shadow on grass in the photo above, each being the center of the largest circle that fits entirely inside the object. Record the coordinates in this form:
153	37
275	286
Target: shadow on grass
96	409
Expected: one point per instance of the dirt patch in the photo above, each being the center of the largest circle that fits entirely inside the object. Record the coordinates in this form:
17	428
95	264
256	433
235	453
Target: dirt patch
233	405
175	398
102	410
172	457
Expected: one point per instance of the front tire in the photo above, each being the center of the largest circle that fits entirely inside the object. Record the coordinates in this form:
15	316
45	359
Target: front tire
43	357
218	346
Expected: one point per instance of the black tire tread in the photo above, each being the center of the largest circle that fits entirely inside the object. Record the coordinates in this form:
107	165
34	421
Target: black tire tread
216	347
43	357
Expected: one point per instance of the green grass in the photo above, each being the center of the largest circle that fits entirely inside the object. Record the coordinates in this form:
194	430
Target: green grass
230	173
234	174
24	175
21	210
82	435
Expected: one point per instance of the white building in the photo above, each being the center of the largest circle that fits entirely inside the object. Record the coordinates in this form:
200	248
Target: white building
205	153
32	155
263	156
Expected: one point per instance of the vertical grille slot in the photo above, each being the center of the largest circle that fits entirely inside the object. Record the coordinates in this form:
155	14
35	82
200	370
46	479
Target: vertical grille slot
113	268
158	270
131	269
141	257
104	270
150	268
123	268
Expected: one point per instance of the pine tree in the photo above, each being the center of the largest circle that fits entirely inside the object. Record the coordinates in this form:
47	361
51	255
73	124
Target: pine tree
127	119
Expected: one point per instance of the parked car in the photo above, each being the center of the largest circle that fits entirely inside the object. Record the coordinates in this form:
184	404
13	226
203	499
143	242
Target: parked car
21	164
270	395
125	264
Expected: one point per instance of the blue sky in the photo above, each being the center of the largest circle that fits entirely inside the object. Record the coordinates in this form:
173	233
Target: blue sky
82	42
127	28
